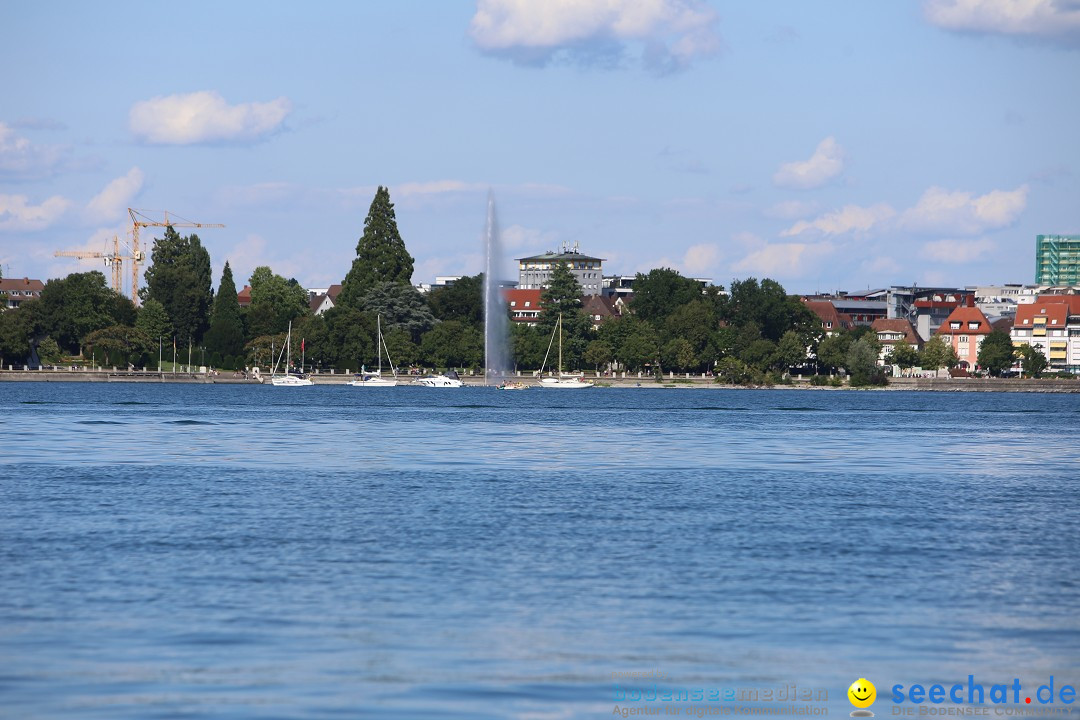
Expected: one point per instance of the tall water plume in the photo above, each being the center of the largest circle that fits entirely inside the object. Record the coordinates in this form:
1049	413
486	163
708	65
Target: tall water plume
496	322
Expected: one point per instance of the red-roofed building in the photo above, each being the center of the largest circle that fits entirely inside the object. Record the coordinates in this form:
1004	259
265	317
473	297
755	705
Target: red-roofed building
892	331
1051	324
19	290
832	321
524	304
965	329
244	296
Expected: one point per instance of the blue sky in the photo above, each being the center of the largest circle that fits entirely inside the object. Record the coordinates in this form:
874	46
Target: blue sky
828	144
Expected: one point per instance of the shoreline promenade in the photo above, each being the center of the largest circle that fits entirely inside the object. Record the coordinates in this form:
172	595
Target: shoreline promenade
942	384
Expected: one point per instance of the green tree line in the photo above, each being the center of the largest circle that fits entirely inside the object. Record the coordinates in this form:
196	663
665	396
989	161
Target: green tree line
755	332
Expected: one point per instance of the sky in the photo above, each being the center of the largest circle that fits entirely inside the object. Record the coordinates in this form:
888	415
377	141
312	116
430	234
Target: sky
830	145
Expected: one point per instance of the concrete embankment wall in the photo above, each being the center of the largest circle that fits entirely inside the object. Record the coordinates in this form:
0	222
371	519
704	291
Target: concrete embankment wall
927	384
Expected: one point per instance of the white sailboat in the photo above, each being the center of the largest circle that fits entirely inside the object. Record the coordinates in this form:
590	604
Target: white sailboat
564	381
288	379
374	378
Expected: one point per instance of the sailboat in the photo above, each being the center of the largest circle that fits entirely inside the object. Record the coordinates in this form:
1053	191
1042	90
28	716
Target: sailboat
374	378
288	379
565	381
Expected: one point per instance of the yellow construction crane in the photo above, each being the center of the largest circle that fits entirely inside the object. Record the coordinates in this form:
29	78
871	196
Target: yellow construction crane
113	259
140	219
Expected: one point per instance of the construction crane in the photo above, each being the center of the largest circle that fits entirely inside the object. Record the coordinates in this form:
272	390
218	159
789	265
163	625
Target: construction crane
140	219
113	259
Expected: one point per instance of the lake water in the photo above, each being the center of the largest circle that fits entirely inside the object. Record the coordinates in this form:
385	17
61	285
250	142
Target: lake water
171	551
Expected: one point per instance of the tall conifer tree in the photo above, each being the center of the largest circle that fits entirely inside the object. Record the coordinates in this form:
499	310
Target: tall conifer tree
380	254
226	334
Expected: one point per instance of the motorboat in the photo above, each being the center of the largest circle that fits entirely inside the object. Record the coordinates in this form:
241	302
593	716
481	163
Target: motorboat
449	379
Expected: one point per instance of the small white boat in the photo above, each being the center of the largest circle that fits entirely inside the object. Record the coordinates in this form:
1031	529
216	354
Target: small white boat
513	385
564	381
374	378
288	379
448	380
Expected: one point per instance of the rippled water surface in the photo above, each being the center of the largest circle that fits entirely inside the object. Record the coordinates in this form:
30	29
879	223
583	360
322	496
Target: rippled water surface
172	551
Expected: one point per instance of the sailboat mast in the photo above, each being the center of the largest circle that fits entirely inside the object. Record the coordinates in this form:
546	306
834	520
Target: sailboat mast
560	344
378	340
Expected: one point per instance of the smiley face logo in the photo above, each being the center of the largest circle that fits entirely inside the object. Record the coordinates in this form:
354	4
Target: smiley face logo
862	693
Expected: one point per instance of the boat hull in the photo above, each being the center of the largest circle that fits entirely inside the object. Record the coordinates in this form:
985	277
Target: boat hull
564	384
290	381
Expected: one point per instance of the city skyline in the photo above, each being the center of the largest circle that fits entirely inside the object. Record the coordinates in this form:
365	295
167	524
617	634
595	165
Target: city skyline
833	146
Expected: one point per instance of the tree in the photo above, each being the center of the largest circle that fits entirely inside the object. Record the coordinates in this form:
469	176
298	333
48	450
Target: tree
71	308
695	322
153	321
599	353
380	253
527	346
768	305
640	347
400	306
678	354
903	354
562	298
119	344
861	362
225	339
453	344
49	352
790	351
938	353
15	333
180	280
832	351
275	301
1032	361
996	353
661	292
463	300
401	348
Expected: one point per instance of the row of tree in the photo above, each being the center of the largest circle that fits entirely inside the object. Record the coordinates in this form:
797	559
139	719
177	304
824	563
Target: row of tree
750	333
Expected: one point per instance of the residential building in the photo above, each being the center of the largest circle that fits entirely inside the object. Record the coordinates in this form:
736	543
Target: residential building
244	296
325	300
602	308
860	308
1051	324
965	329
1057	259
832	320
892	331
925	308
524	304
534	273
19	290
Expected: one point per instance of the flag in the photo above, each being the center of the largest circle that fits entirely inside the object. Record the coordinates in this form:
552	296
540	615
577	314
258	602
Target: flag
301	344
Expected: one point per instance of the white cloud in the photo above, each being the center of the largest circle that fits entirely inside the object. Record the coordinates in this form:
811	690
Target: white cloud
205	117
1058	19
17	214
850	218
826	163
19	158
116	197
784	259
669	34
963	213
956	251
700	259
